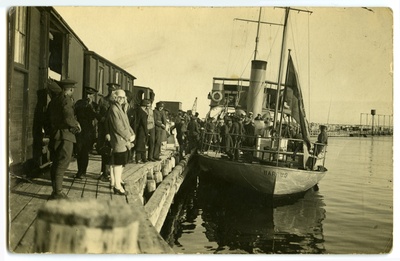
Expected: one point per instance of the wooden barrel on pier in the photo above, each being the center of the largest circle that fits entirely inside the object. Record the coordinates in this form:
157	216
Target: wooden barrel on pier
86	226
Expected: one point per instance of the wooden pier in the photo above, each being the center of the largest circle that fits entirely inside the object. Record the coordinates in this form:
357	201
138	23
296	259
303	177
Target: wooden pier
27	198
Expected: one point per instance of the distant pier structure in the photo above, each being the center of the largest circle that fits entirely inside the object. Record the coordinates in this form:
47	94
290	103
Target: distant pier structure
375	124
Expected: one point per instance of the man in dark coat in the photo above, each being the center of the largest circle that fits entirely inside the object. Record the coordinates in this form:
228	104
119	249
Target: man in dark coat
63	128
193	132
152	132
226	139
86	113
139	126
160	121
236	133
181	128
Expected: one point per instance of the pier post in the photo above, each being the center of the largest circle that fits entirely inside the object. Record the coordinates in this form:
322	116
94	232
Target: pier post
86	226
150	173
151	186
166	168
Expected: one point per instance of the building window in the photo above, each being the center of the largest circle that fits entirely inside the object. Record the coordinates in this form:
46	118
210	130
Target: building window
101	80
20	35
116	77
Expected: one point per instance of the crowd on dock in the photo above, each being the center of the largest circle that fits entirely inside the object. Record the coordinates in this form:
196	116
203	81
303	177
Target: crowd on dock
121	132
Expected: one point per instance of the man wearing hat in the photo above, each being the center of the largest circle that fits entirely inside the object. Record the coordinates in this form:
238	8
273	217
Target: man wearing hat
138	123
160	121
63	128
86	112
104	105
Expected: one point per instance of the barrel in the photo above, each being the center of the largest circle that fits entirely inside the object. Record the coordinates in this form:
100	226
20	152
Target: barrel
86	226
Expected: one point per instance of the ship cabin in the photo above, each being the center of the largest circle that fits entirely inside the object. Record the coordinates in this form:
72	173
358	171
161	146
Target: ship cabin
232	93
280	140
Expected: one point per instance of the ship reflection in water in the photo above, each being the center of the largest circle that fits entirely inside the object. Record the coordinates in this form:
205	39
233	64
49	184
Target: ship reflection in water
211	216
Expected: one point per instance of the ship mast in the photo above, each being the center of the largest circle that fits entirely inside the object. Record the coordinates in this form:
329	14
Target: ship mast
255	94
281	63
283	46
258	31
259	22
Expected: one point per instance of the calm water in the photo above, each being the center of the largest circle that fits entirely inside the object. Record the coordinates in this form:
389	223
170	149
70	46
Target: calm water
351	212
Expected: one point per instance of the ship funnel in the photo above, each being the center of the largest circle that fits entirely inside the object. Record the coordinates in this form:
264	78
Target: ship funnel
256	89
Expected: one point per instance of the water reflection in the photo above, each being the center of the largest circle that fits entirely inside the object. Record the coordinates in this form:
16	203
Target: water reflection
233	220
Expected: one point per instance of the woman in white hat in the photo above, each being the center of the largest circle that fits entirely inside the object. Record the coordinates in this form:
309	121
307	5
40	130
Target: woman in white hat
121	137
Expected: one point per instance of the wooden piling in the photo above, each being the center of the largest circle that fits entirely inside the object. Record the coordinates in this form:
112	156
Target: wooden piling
165	171
150	173
158	177
86	226
151	186
172	162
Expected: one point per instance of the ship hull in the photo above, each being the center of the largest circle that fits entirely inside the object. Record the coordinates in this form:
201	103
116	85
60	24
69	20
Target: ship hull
265	179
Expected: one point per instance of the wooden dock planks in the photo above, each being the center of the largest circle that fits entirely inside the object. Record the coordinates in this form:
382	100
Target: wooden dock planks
27	197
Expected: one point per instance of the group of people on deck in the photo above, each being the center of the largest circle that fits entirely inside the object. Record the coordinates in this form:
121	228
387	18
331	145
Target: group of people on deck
125	133
236	134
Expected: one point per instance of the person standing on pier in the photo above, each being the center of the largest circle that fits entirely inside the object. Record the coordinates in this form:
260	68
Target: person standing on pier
193	133
63	128
138	123
180	126
121	136
104	105
86	113
160	121
152	132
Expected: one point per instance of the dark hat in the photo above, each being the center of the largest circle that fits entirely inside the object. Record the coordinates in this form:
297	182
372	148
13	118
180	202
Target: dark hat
322	126
145	103
67	83
113	86
53	87
129	95
90	90
159	104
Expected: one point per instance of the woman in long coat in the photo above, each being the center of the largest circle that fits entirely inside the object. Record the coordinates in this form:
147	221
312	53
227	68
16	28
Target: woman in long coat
121	137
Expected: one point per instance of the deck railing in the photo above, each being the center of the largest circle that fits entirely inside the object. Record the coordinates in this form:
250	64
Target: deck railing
270	150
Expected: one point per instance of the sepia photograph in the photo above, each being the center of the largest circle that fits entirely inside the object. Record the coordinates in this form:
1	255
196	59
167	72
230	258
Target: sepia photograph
201	129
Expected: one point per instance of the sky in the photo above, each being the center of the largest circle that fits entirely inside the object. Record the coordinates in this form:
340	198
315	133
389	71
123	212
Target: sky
343	55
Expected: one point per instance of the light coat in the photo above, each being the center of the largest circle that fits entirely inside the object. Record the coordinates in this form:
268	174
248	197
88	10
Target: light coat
119	129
